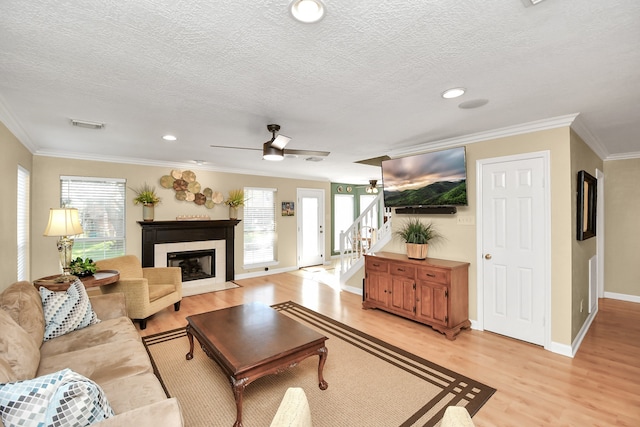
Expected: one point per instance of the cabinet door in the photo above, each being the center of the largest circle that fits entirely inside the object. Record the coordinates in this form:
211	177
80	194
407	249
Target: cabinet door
432	302
403	297
376	286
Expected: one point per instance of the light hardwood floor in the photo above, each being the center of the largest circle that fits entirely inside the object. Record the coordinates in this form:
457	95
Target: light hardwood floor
599	387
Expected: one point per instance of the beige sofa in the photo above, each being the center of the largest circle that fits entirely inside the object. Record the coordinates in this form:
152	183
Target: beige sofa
110	353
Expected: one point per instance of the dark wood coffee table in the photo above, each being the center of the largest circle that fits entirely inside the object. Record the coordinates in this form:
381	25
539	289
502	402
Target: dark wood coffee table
253	340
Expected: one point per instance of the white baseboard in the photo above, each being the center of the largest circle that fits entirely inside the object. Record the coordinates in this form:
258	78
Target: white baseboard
561	349
264	273
352	289
622	297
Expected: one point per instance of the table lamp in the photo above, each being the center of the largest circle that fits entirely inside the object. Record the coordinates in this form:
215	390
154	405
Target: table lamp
64	222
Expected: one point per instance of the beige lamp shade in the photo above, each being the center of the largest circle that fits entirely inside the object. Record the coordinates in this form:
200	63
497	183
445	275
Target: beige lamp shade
63	222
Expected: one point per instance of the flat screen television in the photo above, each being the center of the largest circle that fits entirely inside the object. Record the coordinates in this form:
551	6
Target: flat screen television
438	178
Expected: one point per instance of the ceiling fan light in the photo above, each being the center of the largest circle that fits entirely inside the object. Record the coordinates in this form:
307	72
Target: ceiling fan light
271	153
307	11
280	141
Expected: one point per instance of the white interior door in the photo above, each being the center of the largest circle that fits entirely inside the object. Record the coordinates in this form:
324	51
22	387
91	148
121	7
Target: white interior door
310	227
514	249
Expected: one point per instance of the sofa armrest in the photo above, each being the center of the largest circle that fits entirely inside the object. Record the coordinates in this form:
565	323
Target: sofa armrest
165	413
293	410
164	276
109	306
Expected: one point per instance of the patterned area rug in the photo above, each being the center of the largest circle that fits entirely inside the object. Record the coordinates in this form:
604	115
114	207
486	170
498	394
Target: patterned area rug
370	382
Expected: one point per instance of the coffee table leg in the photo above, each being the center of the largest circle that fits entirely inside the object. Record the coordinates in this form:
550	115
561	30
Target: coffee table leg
238	391
323	353
190	336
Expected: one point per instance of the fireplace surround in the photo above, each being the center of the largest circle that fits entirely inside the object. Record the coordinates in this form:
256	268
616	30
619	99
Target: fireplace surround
160	232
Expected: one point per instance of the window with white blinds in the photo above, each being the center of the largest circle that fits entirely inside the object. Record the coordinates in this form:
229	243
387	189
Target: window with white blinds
101	207
23	223
259	227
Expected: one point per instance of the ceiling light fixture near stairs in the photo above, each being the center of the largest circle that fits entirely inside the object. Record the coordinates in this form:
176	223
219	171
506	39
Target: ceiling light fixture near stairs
307	11
373	187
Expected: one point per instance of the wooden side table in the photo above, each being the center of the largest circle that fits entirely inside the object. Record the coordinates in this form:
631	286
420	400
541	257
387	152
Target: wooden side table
99	278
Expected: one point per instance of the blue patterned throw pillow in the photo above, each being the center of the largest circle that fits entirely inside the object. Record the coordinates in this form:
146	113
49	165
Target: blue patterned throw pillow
66	311
63	398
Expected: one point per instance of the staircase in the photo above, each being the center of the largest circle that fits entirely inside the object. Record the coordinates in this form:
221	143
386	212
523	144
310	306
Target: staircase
366	234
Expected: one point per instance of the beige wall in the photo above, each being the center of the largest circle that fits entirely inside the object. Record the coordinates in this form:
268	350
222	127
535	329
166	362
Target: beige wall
582	158
13	154
46	194
460	244
568	154
622	228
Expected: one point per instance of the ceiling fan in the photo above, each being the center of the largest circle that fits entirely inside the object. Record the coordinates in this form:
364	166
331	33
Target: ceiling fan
274	148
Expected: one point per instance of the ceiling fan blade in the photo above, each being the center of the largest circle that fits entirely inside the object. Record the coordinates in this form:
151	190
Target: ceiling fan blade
307	152
280	142
235	148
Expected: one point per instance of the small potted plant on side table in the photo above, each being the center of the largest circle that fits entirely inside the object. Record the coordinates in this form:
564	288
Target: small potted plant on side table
82	267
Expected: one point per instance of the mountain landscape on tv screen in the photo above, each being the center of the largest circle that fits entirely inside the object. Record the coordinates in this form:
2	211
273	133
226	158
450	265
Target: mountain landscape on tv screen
453	193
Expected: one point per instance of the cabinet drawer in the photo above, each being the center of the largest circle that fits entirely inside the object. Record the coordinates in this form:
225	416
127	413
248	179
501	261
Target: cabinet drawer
377	265
403	270
434	275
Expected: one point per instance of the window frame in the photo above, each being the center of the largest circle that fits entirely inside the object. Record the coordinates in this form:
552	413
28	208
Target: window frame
23	224
249	230
89	246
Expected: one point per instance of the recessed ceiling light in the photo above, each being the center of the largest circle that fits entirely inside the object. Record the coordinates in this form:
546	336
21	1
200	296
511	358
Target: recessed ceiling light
307	11
453	92
169	138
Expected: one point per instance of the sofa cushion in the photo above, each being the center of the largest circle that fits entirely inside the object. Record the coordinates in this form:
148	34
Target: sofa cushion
158	291
106	332
66	311
6	373
142	389
62	398
17	348
23	303
101	363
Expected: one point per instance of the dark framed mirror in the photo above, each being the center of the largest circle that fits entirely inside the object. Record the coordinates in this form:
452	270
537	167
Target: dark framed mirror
587	198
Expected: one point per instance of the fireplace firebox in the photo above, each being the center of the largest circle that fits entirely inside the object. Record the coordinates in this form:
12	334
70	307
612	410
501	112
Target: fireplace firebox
195	265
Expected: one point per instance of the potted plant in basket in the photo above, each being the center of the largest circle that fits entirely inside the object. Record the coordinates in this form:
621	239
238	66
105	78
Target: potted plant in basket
147	197
417	235
235	200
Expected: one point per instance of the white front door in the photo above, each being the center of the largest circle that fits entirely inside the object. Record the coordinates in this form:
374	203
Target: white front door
310	227
514	230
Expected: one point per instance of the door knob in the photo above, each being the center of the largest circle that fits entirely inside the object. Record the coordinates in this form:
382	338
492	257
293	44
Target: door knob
487	256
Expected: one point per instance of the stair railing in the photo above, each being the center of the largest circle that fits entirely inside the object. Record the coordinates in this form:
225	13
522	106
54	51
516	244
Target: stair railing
361	236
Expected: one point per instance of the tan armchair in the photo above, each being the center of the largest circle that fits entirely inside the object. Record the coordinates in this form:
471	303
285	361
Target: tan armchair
147	290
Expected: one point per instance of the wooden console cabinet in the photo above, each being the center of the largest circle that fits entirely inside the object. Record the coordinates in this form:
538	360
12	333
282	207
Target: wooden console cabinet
432	291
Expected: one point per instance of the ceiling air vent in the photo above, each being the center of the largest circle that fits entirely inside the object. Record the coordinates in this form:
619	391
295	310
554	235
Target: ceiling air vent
85	124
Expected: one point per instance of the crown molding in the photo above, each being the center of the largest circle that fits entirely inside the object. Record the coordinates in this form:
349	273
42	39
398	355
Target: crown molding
623	156
589	138
167	164
14	126
529	127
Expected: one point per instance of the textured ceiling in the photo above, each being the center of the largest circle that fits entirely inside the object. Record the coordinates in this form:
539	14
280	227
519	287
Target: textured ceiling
363	82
